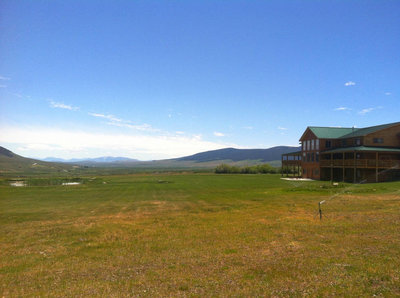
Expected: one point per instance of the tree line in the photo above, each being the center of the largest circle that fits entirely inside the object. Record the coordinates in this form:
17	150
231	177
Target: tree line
257	169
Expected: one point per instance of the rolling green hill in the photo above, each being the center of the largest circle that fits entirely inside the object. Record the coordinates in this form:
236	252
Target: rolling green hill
235	155
13	163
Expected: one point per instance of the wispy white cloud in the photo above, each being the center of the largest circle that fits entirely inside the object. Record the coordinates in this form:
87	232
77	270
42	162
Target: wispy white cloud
342	109
59	105
3	86
248	127
368	110
140	127
4	78
388	93
19	95
282	128
109	117
42	142
349	83
218	134
115	121
365	111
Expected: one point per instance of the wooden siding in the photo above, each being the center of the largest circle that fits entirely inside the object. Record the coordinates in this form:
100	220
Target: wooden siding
391	137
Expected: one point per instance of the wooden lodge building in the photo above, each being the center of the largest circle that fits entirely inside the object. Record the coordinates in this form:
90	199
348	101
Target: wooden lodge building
370	154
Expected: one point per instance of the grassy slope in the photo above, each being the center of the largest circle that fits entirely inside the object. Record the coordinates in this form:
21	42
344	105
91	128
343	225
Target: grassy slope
11	163
204	234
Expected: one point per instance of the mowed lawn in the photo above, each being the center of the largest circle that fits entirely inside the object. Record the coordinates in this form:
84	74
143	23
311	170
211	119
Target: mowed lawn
199	235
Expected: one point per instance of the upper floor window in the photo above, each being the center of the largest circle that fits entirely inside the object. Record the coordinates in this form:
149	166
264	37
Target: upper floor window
312	157
317	157
357	142
308	157
308	145
317	144
344	142
312	144
328	144
378	140
303	146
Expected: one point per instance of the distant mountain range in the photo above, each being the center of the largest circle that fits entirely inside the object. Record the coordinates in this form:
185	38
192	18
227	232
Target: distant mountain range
13	163
103	159
233	154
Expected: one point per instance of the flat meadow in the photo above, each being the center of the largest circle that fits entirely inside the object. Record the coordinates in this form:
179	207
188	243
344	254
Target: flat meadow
188	234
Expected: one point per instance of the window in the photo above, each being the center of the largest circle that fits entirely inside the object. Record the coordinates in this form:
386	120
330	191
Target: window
304	156
303	146
344	143
378	140
308	145
316	172
317	157
312	144
357	142
308	157
304	171
317	144
312	157
328	144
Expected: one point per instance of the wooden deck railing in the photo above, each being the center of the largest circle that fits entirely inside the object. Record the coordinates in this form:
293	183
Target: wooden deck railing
291	162
360	163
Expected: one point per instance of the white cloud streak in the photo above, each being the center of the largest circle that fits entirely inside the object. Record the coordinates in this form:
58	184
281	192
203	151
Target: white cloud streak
218	134
108	117
59	105
367	110
282	128
4	78
342	109
114	121
141	127
349	83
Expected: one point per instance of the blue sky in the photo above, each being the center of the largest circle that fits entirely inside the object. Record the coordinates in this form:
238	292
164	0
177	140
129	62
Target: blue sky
161	79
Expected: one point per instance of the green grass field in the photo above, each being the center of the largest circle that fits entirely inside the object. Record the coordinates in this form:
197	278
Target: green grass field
198	235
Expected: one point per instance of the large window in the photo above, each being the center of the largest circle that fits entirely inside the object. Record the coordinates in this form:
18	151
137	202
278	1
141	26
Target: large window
312	144
308	145
317	157
328	143
308	157
378	140
317	144
357	142
312	157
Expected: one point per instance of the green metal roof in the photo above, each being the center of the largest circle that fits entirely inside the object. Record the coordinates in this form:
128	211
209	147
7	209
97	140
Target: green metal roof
331	132
367	130
346	132
363	148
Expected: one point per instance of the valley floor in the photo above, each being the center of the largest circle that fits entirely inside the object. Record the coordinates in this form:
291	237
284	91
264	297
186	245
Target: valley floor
198	235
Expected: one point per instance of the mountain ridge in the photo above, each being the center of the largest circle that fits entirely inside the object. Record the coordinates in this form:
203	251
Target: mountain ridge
101	159
265	155
11	162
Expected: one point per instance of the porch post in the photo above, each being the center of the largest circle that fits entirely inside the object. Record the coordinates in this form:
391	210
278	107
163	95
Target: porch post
354	157
343	165
376	167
